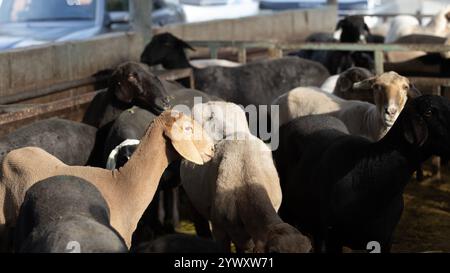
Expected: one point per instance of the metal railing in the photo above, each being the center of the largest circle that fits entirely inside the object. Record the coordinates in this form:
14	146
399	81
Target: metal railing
378	49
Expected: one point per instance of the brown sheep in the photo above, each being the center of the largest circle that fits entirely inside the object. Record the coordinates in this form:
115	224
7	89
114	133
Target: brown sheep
127	190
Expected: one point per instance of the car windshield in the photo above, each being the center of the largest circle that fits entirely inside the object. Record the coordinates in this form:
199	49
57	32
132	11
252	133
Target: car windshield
46	10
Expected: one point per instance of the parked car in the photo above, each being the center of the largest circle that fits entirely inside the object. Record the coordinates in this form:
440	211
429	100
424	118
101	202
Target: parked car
33	22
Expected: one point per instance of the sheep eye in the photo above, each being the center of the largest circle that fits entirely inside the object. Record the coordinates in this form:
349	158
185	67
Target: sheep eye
406	87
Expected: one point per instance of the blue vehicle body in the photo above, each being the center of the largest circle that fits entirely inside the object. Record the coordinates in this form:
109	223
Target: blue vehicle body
56	23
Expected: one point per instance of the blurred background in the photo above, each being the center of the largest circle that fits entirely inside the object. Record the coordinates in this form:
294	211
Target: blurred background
33	22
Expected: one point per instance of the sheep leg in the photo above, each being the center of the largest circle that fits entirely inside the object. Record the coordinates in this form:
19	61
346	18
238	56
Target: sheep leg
6	240
149	225
239	250
170	210
3	239
201	224
222	239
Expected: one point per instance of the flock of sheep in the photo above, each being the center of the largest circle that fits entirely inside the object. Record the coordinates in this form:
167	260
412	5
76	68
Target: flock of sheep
348	145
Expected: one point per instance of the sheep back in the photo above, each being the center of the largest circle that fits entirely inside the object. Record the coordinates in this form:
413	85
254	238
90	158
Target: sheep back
69	141
303	101
214	188
258	83
61	204
292	135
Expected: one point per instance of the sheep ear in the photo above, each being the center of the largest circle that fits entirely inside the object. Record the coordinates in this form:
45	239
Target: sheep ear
344	85
365	84
413	92
186	138
184	45
416	131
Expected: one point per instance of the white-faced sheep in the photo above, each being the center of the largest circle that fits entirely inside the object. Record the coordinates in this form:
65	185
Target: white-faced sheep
346	190
404	25
64	210
239	191
391	92
127	190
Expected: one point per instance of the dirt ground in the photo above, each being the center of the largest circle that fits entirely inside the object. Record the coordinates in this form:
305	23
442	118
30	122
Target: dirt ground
425	223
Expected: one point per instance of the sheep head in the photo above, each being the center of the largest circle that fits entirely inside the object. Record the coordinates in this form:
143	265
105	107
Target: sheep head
426	122
187	136
284	238
220	119
391	92
344	84
354	29
133	82
168	50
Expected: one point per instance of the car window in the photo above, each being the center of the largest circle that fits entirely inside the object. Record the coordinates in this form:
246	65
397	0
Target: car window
46	10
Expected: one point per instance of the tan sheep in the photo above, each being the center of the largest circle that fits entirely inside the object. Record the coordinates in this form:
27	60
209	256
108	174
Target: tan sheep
127	190
390	92
239	189
239	192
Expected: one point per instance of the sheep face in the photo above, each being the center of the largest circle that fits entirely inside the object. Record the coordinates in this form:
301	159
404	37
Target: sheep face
390	94
187	137
220	119
426	122
354	29
344	84
284	238
131	82
168	50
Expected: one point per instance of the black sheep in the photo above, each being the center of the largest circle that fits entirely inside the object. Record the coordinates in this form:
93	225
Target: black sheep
256	83
69	141
354	30
346	190
429	65
130	84
65	214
